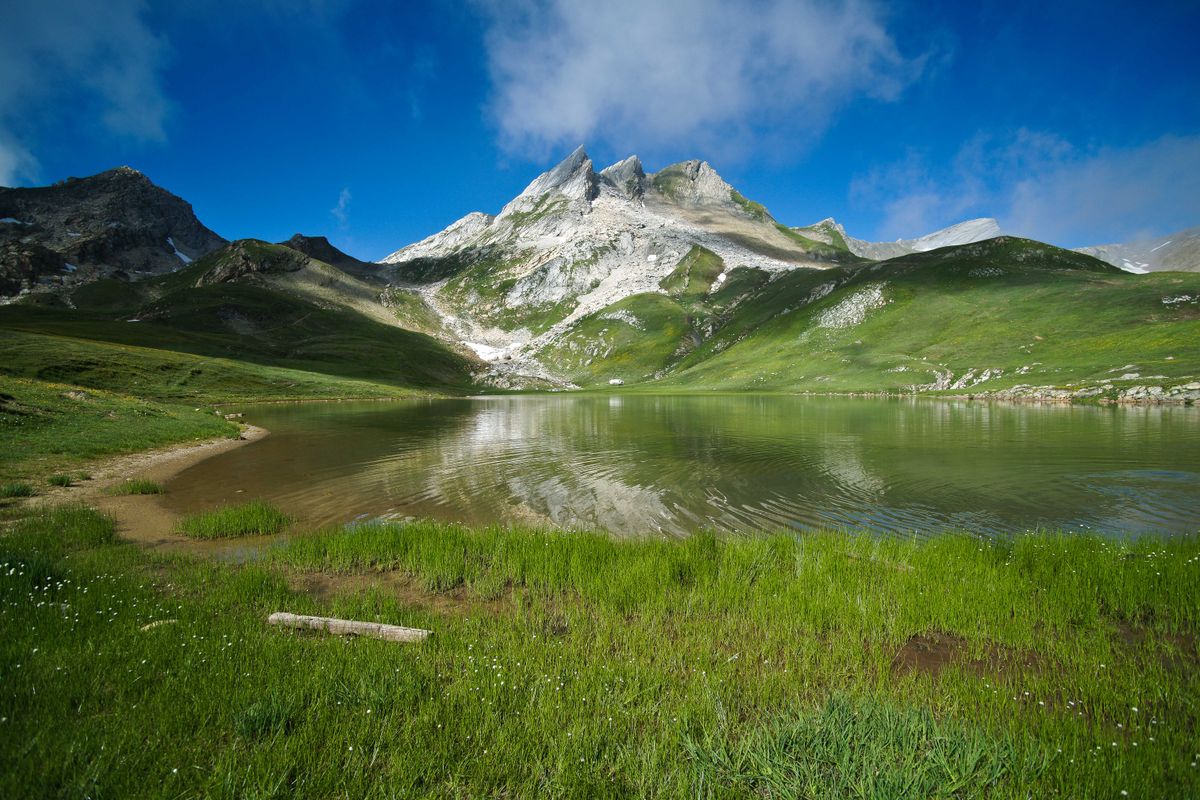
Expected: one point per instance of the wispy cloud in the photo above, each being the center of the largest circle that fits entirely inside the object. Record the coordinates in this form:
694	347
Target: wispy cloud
1040	185
64	60
341	212
701	73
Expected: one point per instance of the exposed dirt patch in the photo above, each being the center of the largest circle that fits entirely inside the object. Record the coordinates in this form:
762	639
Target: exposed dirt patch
932	652
1179	652
458	602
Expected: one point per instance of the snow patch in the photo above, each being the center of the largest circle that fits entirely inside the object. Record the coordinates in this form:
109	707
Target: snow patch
486	351
14	221
182	257
70	267
1182	298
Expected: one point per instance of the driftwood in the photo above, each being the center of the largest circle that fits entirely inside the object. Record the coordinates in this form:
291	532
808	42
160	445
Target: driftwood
392	633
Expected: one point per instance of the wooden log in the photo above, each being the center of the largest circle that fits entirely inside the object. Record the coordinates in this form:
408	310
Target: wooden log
349	627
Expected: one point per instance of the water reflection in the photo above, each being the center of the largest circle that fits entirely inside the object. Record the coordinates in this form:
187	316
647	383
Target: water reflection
636	464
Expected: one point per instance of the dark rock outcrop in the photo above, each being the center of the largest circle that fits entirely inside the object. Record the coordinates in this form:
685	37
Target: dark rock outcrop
116	221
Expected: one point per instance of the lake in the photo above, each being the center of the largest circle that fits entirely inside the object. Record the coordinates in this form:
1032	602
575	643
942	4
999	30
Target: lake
641	464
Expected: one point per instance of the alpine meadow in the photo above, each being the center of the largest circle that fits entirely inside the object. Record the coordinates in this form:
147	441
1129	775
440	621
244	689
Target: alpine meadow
866	467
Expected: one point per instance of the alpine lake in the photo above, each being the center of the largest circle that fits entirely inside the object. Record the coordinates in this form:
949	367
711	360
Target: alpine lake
639	465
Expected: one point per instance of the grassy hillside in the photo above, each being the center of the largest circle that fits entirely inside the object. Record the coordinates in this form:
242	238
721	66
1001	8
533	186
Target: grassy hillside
54	428
632	339
978	317
259	304
168	375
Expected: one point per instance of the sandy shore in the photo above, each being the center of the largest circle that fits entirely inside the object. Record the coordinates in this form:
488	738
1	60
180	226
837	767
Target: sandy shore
143	518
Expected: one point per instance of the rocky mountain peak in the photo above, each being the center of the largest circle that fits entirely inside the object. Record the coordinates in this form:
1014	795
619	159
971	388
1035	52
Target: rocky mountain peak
627	177
693	183
573	177
116	222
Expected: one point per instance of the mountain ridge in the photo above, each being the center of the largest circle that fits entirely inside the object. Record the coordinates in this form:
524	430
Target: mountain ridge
117	222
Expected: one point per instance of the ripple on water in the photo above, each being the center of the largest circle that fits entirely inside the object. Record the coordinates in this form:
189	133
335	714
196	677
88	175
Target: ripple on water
731	463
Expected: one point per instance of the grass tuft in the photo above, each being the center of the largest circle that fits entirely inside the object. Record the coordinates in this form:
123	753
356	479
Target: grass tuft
136	486
15	489
256	518
60	480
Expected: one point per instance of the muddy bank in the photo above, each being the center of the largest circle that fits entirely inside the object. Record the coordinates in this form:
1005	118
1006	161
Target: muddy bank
143	518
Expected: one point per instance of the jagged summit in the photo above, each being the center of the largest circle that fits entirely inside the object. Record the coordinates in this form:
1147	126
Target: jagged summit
576	240
965	232
1177	252
573	177
627	177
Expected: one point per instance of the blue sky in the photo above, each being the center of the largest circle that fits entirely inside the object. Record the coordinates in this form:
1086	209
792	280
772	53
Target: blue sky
378	123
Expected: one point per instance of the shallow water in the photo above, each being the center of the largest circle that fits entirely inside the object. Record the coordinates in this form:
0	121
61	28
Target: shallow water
637	464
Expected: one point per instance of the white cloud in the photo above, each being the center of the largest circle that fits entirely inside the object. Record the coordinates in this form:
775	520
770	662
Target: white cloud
341	212
683	72
16	163
1042	186
61	61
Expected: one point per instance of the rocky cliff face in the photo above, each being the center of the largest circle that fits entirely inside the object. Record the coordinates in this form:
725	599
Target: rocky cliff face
115	223
577	240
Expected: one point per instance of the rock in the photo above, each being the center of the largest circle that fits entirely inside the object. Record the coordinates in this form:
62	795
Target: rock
116	222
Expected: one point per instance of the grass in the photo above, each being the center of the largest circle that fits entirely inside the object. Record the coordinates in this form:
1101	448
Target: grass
133	486
753	209
14	489
1038	315
255	518
631	339
695	273
49	430
60	480
578	666
165	375
272	317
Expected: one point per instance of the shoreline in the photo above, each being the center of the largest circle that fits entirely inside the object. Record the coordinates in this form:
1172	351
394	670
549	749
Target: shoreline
143	518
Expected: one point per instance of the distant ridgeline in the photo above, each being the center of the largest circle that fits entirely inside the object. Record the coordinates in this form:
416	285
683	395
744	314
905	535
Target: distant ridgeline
593	278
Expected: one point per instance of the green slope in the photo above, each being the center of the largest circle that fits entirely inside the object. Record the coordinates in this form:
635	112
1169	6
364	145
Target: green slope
979	317
284	311
1035	314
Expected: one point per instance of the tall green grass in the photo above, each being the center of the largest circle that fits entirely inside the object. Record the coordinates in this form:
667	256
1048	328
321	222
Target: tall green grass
718	668
15	489
255	518
133	486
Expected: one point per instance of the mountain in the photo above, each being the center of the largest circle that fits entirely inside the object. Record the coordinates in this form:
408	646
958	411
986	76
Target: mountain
1005	317
117	223
255	302
577	240
318	247
972	230
1178	252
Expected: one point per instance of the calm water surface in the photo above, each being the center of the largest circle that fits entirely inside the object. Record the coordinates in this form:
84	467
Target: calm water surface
743	463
